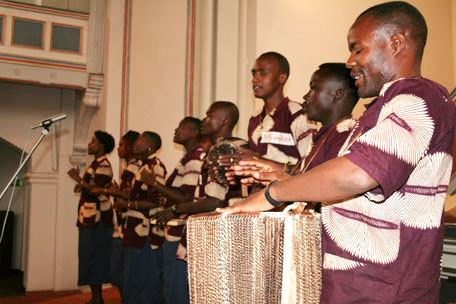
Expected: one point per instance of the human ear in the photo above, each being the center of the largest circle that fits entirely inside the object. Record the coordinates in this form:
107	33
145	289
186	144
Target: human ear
397	43
338	95
283	78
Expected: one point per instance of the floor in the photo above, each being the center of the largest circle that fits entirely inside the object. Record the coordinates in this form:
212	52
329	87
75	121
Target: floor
12	292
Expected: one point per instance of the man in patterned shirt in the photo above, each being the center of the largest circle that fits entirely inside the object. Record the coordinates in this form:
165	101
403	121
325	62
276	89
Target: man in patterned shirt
142	241
330	101
221	118
383	243
179	188
125	152
280	131
95	216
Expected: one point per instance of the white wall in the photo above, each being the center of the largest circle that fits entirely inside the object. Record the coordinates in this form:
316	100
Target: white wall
50	239
9	163
157	71
309	33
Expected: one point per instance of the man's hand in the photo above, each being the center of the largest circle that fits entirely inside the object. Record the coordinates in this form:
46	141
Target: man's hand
259	171
228	160
74	174
255	202
120	203
164	216
148	176
77	188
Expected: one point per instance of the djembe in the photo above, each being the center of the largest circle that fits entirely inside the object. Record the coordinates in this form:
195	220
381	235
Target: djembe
267	257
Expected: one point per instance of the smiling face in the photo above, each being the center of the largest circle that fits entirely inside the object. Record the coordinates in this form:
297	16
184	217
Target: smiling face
266	77
370	58
319	99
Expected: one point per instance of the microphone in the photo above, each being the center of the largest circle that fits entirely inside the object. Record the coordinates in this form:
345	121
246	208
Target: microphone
49	121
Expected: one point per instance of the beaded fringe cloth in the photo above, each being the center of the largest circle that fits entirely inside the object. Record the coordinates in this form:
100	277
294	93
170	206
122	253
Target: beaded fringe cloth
268	257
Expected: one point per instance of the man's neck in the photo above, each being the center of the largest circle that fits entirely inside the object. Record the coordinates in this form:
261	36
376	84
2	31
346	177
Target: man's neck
272	102
190	145
221	135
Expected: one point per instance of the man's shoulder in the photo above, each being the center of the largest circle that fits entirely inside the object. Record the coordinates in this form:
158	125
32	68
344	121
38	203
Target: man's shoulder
418	86
196	154
295	108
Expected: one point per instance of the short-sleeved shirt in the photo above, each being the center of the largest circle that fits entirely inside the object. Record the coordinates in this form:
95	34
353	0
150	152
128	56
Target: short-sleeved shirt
126	182
95	208
328	142
185	178
285	135
385	245
137	228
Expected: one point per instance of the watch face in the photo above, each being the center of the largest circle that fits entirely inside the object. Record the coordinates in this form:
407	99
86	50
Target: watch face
226	146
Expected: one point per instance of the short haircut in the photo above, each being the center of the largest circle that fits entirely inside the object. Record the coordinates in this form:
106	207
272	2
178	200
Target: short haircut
196	123
284	66
341	73
131	137
154	138
106	140
404	16
231	109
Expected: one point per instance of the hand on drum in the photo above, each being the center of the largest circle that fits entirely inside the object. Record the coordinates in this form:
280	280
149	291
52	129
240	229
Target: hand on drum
259	171
255	202
230	160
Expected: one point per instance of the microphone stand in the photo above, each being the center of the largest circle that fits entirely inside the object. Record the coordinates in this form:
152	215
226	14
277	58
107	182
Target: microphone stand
44	132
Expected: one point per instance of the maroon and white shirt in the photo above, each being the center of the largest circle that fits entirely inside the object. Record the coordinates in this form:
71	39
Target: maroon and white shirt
185	177
137	228
126	182
385	245
93	208
333	142
284	136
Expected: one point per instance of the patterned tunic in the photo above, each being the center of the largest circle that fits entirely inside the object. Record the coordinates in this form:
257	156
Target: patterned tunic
137	226
185	177
126	182
385	246
284	136
330	143
94	208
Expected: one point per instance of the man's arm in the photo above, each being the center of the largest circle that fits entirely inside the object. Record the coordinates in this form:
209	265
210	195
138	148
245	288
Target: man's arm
206	204
334	180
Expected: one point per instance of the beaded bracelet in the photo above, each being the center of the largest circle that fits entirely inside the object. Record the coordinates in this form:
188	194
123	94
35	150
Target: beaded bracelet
268	195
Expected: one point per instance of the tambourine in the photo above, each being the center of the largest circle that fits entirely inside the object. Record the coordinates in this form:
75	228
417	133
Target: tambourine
226	146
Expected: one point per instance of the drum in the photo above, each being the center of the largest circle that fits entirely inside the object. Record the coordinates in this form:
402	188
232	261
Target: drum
226	146
268	257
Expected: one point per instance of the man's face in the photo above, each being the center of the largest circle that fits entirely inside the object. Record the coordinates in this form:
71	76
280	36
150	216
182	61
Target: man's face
94	146
213	121
319	100
266	77
141	145
370	57
184	132
125	149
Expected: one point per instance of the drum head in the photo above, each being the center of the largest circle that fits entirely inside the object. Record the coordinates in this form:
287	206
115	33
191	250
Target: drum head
226	146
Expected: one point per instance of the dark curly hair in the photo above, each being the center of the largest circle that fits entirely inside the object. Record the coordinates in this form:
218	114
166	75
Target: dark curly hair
106	140
131	137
